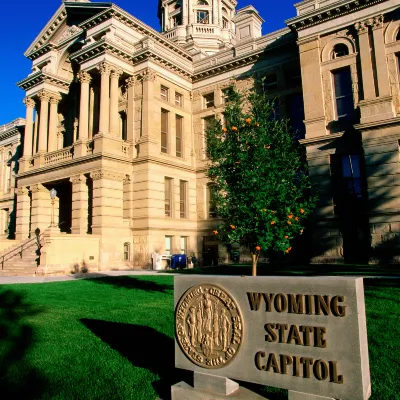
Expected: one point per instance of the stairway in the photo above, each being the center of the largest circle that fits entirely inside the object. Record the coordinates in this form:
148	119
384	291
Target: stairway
14	262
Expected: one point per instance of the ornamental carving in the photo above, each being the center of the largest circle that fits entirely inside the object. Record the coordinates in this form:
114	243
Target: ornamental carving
43	95
209	326
77	179
377	22
84	77
22	191
54	100
148	75
131	81
29	102
72	31
116	73
104	68
361	27
38	188
127	179
110	175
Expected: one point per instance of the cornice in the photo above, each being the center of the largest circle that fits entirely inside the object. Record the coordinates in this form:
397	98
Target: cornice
40	77
106	46
321	139
129	20
11	129
329	12
377	124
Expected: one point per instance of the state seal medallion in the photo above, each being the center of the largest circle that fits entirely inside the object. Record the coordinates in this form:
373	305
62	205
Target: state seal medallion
209	326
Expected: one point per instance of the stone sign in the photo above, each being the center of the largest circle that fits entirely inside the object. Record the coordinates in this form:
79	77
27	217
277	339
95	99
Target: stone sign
302	334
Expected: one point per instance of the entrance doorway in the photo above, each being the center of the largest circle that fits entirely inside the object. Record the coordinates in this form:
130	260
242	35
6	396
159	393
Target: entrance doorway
64	194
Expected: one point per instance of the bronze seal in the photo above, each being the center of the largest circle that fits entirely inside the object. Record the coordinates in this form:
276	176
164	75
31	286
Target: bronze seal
209	326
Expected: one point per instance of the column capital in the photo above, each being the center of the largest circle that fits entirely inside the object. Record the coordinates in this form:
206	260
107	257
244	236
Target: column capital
22	191
44	95
84	77
76	179
361	27
38	188
116	72
104	68
376	22
148	75
55	99
105	174
131	81
29	102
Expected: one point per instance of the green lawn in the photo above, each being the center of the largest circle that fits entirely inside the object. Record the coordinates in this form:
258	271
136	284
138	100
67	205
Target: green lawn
112	338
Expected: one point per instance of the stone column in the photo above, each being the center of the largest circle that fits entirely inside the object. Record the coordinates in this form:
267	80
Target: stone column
23	214
80	196
130	123
366	61
312	88
28	135
166	18
84	78
44	98
41	208
214	19
91	112
380	57
104	69
35	130
114	117
53	122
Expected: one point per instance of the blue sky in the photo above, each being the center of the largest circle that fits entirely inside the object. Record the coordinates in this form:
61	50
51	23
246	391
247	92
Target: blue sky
22	20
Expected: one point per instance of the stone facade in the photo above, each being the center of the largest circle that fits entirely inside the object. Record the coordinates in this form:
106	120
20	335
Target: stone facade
116	114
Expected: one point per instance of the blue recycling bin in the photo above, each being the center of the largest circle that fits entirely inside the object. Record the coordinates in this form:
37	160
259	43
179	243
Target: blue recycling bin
178	261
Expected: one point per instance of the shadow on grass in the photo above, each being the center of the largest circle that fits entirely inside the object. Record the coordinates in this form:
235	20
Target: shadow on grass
144	347
18	378
130	282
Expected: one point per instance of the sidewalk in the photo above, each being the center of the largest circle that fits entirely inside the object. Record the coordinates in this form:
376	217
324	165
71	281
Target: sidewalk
6	280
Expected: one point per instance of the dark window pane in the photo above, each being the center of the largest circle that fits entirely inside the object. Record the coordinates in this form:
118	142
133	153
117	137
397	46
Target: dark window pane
343	92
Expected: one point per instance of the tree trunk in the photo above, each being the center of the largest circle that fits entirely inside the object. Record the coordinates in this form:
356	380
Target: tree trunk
254	259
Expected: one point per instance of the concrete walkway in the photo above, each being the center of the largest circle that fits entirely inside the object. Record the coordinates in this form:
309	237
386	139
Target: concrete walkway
6	280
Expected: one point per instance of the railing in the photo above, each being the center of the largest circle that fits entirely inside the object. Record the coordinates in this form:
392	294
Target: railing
59	155
204	29
12	124
26	245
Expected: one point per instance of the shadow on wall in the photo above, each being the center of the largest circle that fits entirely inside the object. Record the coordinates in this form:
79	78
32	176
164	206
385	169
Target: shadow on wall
142	345
18	378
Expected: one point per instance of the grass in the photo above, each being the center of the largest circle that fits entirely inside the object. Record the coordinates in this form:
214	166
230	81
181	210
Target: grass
112	338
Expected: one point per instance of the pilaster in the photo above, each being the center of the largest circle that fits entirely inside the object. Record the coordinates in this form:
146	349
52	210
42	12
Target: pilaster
105	71
312	88
114	120
53	122
80	145
44	98
130	84
80	202
23	214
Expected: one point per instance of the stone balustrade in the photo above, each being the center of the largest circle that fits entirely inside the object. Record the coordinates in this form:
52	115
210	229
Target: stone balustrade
59	155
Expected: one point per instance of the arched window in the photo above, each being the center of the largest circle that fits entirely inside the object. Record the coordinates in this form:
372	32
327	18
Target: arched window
202	3
224	11
340	50
202	17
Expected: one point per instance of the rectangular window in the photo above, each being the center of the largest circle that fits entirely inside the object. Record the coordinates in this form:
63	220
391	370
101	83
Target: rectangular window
224	23
227	95
270	82
207	122
168	196
164	93
164	131
209	100
183	244
183	199
179	134
168	245
212	204
343	92
351	174
202	17
178	99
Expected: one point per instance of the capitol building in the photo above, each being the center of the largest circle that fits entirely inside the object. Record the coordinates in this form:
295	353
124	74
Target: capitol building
115	122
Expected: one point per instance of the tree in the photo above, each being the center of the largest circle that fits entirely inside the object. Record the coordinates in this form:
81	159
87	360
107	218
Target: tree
262	190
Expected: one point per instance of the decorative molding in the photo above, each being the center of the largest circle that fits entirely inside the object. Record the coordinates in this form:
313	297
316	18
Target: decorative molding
377	22
116	72
77	179
55	99
131	81
127	179
22	191
104	68
38	188
148	75
105	174
84	77
69	33
43	77
44	95
361	27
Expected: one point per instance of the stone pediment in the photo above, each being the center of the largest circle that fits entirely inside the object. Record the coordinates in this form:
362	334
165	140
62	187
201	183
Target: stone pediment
56	31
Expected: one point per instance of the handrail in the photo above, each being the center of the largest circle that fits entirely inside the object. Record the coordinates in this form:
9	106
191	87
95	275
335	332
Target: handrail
25	245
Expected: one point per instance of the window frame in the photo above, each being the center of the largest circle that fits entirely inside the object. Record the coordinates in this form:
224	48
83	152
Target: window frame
185	246
205	20
168	249
211	211
208	103
178	138
163	96
168	197
164	132
180	97
183	199
335	72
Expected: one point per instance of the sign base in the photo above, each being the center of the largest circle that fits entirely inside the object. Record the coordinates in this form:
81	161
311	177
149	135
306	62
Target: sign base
293	395
213	387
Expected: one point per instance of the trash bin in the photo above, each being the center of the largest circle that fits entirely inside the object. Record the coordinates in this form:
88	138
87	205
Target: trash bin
178	261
